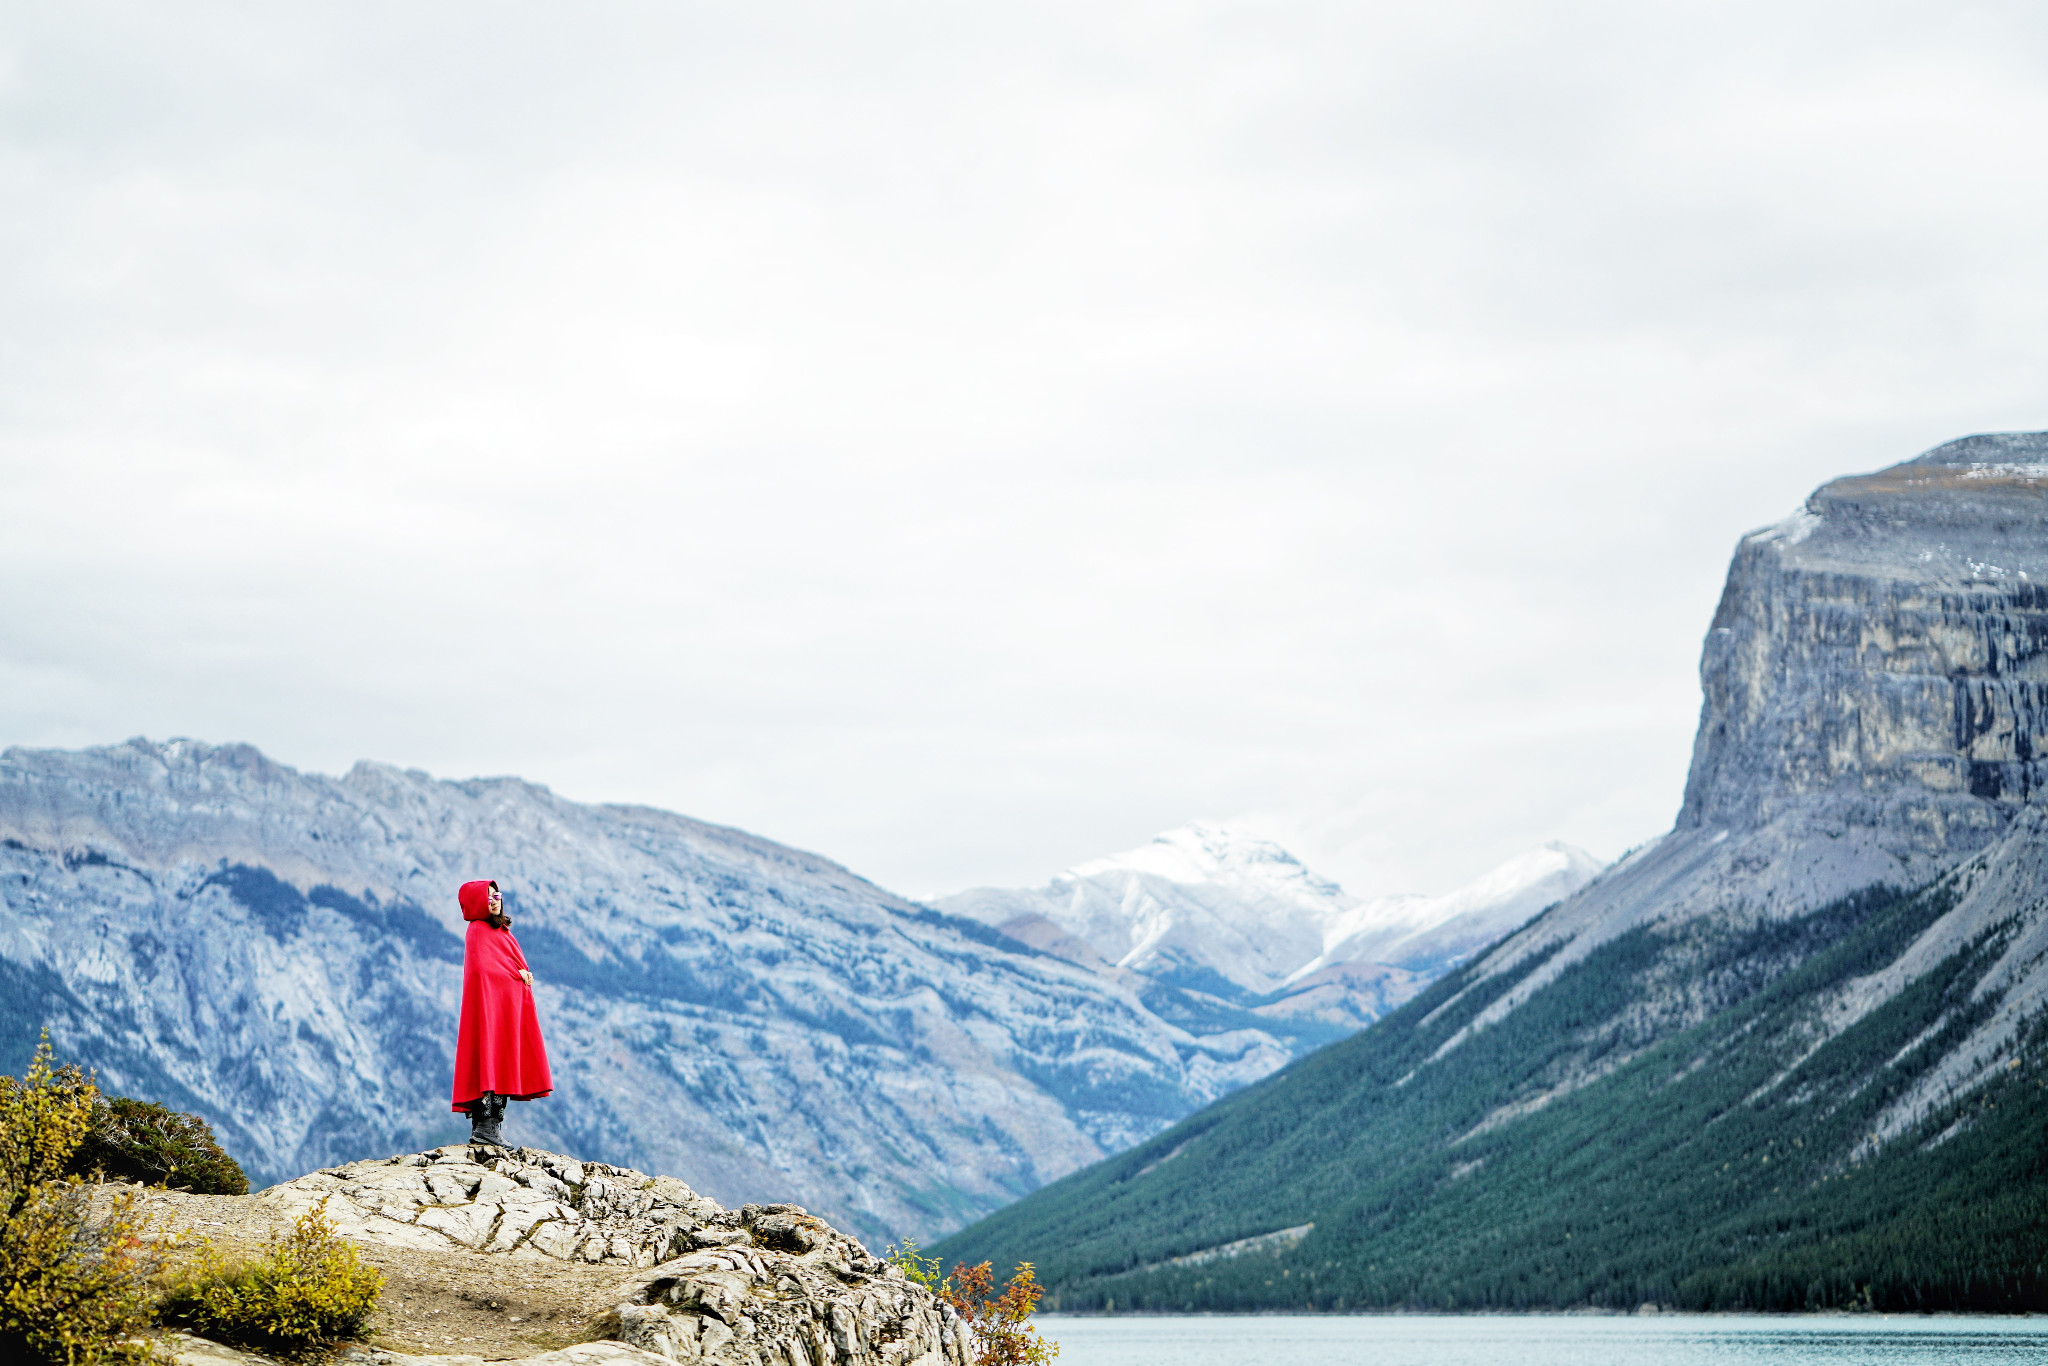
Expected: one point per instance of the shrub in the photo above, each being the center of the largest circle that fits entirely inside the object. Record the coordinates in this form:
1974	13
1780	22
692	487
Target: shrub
311	1289
1002	1337
139	1140
73	1288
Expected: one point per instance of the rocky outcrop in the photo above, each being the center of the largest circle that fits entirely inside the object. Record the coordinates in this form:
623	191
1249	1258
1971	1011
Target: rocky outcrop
1880	659
803	1302
521	1202
763	1285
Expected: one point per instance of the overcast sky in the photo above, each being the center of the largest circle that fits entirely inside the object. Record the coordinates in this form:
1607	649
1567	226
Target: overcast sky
965	439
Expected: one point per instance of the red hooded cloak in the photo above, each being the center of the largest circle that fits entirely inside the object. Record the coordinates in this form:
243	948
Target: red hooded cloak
497	1045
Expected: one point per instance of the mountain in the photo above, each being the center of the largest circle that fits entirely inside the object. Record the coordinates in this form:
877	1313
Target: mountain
1791	1055
1428	934
1210	910
1201	906
278	951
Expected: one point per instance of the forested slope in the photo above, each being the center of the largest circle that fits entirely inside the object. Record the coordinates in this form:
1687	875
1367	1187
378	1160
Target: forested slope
1724	1167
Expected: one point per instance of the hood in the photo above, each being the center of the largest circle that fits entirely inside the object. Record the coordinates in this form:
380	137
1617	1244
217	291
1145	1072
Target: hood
475	898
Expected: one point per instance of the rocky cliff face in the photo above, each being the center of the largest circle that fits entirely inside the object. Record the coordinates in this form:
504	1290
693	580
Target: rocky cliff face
1879	660
1875	714
278	951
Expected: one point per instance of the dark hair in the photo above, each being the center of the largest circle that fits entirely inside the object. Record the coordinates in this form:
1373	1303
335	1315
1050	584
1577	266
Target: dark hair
498	920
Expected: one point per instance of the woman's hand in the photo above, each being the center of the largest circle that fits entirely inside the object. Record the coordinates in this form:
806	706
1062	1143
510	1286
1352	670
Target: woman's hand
527	976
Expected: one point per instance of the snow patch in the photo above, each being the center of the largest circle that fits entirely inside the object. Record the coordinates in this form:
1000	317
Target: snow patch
1792	530
2005	469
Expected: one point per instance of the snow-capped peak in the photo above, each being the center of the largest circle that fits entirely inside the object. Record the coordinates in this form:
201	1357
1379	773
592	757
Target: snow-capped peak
1200	905
1202	853
1233	913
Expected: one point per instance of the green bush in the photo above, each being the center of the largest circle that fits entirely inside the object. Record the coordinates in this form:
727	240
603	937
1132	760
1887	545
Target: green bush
918	1268
73	1288
141	1141
309	1291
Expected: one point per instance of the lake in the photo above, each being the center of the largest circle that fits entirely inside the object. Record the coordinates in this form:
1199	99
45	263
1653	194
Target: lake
1541	1340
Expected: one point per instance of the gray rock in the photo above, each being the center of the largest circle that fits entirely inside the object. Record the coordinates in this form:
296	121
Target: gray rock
582	1354
187	1350
779	1287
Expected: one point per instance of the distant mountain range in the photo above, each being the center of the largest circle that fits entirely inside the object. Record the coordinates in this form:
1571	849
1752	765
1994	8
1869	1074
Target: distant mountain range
1792	1055
1238	919
279	952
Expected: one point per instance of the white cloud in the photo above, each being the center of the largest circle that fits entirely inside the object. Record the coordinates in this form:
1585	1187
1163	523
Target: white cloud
965	440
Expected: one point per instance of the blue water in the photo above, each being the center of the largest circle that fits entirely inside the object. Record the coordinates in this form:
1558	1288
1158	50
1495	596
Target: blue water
1541	1340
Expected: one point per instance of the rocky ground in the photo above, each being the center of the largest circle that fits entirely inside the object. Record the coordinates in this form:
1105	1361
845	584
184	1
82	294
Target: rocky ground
186	1350
435	1300
495	1255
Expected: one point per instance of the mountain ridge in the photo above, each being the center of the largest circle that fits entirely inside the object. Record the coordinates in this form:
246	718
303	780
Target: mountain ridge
1233	915
278	952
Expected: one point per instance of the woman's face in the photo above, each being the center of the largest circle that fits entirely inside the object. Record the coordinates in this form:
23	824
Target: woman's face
497	902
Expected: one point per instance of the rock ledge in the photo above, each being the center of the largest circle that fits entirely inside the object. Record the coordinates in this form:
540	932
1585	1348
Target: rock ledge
764	1285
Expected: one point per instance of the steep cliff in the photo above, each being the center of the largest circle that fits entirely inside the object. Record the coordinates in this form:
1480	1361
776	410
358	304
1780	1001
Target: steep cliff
1875	706
1879	660
1790	1055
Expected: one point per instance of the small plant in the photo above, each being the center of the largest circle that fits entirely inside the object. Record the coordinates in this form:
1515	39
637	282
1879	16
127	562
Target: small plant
309	1291
1002	1336
74	1288
141	1141
922	1270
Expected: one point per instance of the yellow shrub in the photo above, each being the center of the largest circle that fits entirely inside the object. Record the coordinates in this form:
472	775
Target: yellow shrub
73	1289
311	1289
1002	1336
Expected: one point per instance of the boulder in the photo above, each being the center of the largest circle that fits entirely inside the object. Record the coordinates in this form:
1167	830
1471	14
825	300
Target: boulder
763	1285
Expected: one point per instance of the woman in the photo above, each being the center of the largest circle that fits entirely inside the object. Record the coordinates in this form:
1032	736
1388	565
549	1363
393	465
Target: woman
498	1052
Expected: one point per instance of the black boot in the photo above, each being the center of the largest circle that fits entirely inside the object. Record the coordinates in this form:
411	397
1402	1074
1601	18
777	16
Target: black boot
486	1115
